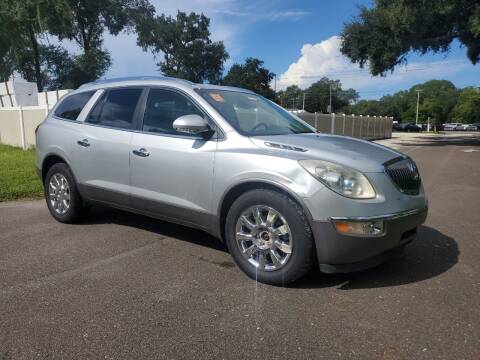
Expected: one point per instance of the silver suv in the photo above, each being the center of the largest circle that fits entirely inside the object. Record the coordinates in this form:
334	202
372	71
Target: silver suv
225	160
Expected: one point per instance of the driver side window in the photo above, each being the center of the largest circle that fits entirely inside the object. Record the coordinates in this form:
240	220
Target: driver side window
163	107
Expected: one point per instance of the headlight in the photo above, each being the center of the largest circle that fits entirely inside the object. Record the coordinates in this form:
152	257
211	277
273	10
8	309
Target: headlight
342	180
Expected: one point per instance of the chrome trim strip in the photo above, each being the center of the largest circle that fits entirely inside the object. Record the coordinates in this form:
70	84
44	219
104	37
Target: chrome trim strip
284	147
379	217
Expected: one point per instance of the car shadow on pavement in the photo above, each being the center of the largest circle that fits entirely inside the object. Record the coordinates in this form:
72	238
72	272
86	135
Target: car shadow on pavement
428	256
106	215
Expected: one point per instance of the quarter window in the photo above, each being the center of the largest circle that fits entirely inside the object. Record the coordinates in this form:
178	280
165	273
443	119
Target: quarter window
115	108
163	108
72	105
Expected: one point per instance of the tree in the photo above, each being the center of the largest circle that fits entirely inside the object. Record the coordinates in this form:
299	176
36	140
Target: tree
366	107
437	99
317	98
291	97
188	52
251	75
55	62
88	20
7	64
383	35
467	108
23	25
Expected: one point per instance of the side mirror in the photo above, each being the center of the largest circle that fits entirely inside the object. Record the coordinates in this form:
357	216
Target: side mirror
192	124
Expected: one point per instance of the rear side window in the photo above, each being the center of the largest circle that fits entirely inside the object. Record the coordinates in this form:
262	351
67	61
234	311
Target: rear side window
115	108
72	106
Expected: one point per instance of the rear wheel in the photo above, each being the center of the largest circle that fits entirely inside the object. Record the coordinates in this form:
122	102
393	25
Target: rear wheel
61	194
269	237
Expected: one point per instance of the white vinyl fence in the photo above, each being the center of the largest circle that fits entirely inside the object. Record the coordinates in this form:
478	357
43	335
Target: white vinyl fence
17	125
359	126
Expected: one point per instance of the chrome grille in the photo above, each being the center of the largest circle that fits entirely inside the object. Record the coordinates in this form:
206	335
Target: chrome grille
404	174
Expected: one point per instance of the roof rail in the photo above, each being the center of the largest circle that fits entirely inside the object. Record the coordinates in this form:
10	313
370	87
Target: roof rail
134	78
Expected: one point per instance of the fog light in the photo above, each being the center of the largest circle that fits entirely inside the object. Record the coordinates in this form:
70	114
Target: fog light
362	228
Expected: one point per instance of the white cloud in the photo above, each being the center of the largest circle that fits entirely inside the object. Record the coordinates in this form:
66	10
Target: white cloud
325	59
287	15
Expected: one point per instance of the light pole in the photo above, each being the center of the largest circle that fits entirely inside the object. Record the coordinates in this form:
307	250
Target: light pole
418	101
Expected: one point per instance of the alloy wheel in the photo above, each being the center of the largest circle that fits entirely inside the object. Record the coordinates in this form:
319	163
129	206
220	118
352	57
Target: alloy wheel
264	238
59	193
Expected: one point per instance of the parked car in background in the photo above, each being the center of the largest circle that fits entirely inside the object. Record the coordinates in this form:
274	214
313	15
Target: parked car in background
470	127
396	126
410	127
423	127
236	165
450	126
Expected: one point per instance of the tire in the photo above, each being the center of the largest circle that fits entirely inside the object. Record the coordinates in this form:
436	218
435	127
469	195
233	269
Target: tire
59	174
298	241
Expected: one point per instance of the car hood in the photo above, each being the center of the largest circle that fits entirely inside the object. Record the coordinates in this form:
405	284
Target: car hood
358	154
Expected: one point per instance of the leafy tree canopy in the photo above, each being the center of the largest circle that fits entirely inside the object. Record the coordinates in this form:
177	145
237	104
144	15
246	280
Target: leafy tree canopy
467	108
317	96
31	54
87	22
23	25
188	52
382	36
291	97
251	75
438	98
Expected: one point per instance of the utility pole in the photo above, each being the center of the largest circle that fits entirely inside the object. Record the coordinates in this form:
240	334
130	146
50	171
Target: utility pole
330	110
303	106
275	83
418	101
330	106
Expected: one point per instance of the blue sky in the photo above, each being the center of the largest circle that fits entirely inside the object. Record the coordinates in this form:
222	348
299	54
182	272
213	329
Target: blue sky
298	40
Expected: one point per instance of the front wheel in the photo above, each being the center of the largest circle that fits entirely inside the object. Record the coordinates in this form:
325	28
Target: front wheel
269	237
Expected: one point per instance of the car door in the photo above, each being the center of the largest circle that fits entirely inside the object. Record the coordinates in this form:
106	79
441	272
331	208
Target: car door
102	150
171	172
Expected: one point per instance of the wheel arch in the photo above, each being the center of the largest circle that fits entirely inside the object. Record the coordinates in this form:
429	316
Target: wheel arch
52	159
237	190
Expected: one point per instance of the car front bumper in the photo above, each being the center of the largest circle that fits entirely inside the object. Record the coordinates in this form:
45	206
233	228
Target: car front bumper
340	253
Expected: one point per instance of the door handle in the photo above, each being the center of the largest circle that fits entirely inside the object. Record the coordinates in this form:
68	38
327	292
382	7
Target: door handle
83	143
141	152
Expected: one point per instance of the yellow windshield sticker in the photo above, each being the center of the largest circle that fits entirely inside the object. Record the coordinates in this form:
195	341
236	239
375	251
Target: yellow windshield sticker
217	97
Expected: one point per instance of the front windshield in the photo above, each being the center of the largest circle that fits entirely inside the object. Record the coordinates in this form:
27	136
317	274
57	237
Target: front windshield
253	115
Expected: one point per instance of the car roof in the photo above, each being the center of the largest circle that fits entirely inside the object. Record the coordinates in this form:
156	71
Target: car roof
152	81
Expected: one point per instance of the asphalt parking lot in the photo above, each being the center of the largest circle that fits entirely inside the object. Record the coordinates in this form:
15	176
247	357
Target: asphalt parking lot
121	286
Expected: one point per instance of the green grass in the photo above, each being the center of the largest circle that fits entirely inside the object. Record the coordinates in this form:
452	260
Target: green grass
18	179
